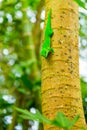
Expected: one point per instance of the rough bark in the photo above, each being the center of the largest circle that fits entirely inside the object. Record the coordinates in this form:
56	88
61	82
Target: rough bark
60	72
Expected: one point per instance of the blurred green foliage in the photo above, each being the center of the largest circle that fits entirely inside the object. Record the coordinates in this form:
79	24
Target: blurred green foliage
81	3
84	96
60	121
19	68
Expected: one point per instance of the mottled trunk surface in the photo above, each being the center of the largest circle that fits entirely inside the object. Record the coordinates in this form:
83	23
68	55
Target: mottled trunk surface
60	72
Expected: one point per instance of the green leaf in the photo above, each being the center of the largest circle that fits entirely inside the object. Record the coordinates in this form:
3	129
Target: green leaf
33	116
80	3
76	118
63	122
60	121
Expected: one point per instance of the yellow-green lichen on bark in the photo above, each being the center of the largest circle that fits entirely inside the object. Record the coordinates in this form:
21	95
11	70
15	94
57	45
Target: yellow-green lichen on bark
60	71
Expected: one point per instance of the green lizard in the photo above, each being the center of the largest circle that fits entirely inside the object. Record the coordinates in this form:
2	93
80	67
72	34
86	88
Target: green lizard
46	47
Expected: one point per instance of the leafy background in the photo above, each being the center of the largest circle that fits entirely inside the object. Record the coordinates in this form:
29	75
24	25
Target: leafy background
21	26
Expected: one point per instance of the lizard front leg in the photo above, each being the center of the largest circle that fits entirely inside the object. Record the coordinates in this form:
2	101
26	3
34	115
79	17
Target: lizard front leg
51	32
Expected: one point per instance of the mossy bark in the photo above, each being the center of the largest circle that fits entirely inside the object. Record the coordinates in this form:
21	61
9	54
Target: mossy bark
60	71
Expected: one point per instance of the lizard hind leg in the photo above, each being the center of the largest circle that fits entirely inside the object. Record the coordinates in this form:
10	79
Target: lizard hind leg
48	51
51	50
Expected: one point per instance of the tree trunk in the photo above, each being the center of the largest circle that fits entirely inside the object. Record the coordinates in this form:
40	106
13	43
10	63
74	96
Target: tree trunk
60	72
